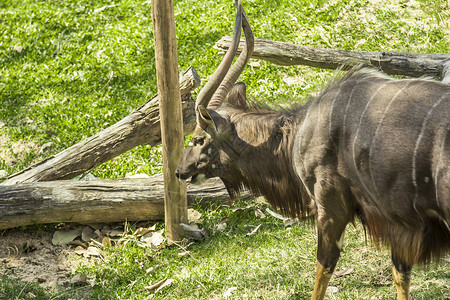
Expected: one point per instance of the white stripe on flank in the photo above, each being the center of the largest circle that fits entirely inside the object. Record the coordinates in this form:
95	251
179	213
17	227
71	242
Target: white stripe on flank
439	163
361	118
416	148
332	108
299	139
357	132
376	132
299	135
348	105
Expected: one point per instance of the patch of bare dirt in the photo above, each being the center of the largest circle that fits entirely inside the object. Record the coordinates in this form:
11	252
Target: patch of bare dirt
50	256
13	151
30	256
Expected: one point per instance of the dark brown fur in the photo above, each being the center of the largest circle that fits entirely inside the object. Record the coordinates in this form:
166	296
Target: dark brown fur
367	146
271	145
257	153
380	148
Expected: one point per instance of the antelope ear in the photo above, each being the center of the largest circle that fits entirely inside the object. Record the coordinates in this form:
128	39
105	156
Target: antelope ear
204	118
237	96
211	121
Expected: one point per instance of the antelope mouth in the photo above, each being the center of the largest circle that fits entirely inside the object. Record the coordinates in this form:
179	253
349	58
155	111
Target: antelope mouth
198	179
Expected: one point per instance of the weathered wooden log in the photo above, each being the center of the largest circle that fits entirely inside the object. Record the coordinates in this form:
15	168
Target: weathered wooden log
141	127
94	201
393	63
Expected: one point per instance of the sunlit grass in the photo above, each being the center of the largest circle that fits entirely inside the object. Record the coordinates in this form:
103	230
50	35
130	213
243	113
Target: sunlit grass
68	69
275	262
85	65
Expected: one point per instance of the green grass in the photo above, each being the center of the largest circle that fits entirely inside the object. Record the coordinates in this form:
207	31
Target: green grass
278	262
81	71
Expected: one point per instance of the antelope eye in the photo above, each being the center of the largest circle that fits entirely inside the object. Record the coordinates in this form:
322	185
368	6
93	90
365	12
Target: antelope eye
199	141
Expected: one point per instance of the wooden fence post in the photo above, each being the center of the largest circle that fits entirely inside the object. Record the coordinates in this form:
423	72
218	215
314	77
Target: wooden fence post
175	202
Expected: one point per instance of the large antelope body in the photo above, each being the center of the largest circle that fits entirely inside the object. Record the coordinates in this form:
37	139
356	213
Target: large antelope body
368	146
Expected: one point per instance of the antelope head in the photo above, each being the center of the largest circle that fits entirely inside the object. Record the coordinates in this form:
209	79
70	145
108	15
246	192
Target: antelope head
206	155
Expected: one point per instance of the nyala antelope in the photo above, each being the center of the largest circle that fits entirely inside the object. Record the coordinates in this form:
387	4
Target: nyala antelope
368	147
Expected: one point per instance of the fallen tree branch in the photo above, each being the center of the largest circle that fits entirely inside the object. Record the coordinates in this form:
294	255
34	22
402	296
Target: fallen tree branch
393	63
94	201
141	127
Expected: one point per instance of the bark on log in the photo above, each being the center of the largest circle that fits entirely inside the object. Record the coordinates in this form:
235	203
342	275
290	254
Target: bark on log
140	127
94	201
393	63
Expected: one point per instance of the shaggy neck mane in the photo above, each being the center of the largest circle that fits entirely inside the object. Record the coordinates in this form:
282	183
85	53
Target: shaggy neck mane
261	152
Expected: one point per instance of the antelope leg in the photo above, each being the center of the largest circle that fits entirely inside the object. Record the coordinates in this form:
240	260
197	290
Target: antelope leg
332	217
330	242
401	274
323	277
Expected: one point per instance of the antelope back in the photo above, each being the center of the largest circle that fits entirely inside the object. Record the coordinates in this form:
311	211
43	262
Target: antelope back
388	141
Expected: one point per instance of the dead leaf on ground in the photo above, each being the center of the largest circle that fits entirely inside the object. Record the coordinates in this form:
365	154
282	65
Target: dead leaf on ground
63	237
113	232
77	243
153	239
242	208
290	222
253	231
229	292
332	289
255	63
90	251
343	272
157	286
106	241
220	227
3	173
87	234
93	251
192	232
79	279
141	231
276	215
80	250
185	253
194	216
44	148
259	213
